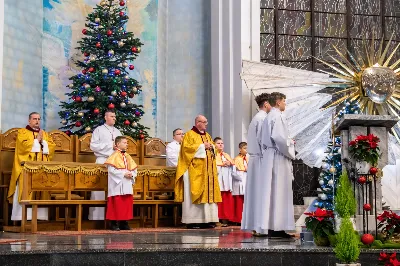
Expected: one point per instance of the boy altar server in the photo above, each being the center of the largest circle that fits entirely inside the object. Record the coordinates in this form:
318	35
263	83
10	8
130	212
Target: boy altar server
239	176
122	171
224	169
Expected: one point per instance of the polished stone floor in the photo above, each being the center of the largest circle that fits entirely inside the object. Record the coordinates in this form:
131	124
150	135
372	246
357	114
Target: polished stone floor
160	240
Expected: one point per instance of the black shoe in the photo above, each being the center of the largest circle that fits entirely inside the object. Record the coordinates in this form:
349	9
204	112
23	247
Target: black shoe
193	226
123	225
114	226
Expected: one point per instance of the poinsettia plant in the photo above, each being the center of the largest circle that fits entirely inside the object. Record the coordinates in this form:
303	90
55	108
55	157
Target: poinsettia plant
388	259
320	222
389	223
365	148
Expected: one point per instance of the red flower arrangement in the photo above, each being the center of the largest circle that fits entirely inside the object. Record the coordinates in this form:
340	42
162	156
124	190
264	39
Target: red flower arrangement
365	148
320	223
389	259
389	222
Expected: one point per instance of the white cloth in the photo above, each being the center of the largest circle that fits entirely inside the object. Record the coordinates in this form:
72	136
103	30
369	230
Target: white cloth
239	179
102	144
197	213
16	213
277	212
118	184
254	196
225	177
173	149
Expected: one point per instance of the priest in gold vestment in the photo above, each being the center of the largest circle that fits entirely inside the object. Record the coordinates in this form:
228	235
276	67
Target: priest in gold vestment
196	182
32	144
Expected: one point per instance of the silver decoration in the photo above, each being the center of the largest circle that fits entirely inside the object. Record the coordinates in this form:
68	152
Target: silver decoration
123	105
379	83
114	93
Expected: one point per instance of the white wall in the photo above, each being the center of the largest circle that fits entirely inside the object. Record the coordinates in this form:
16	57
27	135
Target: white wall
1	52
235	34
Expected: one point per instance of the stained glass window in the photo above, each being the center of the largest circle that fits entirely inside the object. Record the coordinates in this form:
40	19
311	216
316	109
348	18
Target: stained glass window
293	32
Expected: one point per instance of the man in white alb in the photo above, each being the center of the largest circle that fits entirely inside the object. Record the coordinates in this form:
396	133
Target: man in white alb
254	196
102	144
174	147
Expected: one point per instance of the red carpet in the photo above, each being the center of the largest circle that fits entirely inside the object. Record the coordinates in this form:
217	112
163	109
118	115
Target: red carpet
6	241
132	231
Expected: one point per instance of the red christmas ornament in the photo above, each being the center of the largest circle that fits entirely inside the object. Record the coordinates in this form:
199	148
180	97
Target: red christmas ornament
367	207
127	123
84	31
131	67
123	93
373	170
137	113
117	72
121	3
141	136
111	106
91	69
68	132
78	123
109	32
134	49
367	239
86	54
121	14
78	99
362	180
96	111
98	44
131	95
83	71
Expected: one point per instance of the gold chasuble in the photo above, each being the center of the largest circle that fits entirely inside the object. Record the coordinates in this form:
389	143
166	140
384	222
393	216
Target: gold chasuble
23	147
117	161
204	186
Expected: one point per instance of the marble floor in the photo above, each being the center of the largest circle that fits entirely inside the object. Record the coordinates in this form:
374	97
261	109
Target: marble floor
227	238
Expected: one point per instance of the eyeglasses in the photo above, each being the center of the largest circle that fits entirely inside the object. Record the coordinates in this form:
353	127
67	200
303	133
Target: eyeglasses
204	122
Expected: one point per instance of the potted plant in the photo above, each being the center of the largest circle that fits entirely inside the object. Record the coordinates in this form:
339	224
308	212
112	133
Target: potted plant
389	224
388	259
365	150
345	202
320	223
347	250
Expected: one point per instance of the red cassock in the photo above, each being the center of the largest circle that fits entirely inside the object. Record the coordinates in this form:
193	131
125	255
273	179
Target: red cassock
238	201
226	207
120	208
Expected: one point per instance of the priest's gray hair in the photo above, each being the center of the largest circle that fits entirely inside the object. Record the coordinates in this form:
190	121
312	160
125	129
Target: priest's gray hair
198	118
33	113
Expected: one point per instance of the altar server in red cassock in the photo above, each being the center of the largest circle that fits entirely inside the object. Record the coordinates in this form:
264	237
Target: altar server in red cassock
239	177
224	168
122	171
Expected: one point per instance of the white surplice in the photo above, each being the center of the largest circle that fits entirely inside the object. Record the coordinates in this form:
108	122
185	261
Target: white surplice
172	151
239	178
224	175
253	196
102	144
16	212
197	213
118	184
277	212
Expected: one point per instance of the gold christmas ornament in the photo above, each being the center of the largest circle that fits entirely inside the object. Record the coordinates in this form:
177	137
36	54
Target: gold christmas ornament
71	85
123	105
88	129
332	170
120	44
114	93
134	124
87	86
103	3
126	77
90	99
104	71
97	20
125	64
139	49
134	89
64	122
81	114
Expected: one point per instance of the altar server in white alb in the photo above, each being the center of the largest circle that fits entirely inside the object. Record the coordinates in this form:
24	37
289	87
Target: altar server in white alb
277	215
174	147
254	197
122	171
102	144
239	178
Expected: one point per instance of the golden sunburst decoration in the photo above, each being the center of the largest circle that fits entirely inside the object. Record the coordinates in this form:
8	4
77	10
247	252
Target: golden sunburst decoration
369	78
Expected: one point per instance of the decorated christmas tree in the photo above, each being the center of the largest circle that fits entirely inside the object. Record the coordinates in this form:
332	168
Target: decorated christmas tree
331	166
104	82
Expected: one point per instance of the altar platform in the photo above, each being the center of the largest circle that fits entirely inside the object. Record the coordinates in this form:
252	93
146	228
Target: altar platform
162	246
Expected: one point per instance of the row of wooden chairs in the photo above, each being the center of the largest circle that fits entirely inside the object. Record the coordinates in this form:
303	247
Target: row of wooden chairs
72	149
